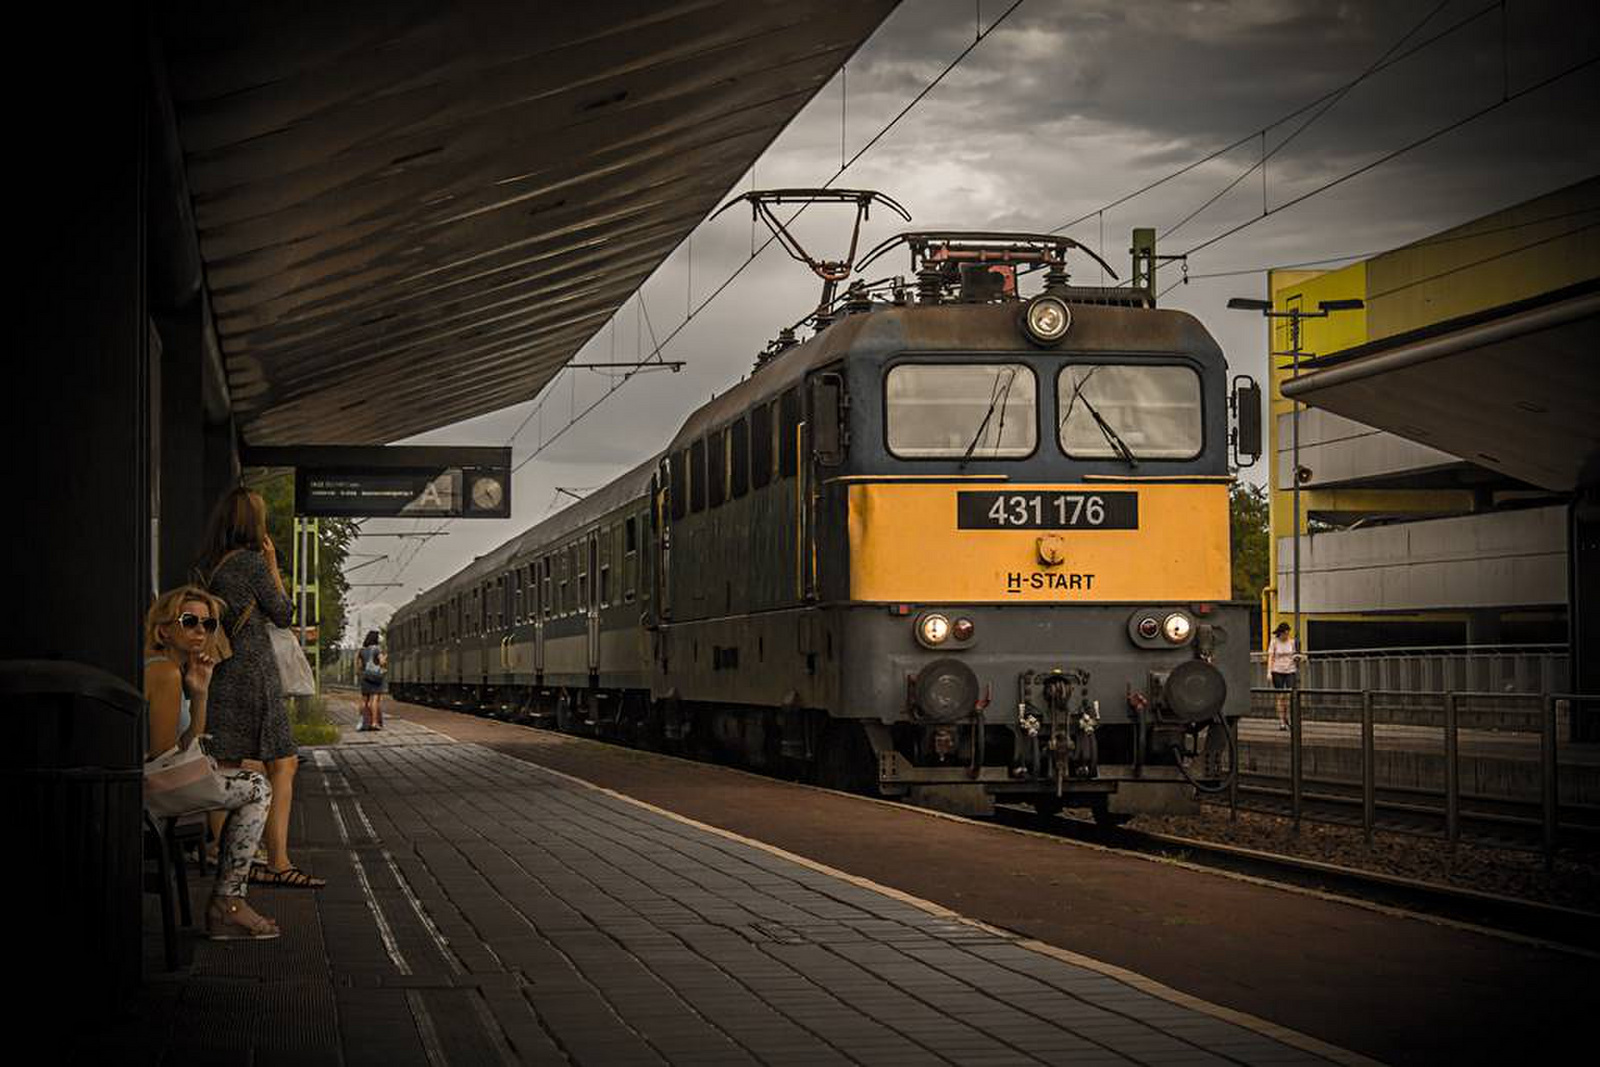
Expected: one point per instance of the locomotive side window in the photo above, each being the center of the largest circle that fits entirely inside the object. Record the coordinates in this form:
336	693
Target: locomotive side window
716	467
516	596
739	458
761	445
697	476
678	490
977	410
788	426
547	601
1151	411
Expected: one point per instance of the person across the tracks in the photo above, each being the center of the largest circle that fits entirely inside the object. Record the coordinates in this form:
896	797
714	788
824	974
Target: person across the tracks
1283	663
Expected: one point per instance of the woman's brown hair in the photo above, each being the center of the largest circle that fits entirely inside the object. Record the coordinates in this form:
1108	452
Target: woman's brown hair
239	521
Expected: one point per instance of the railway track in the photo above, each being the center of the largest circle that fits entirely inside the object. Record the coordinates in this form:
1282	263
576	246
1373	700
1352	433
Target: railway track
1568	927
1546	922
1490	821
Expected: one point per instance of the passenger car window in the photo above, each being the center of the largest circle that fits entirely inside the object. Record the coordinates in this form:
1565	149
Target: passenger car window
955	410
1153	410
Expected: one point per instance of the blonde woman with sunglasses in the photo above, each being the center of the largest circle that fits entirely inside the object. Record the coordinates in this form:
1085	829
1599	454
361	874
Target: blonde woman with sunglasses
183	643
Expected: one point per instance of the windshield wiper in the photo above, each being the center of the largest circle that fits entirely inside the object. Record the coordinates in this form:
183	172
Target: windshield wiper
997	399
1113	438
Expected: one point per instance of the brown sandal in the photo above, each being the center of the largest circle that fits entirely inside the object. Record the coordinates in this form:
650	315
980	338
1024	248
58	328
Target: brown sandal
292	877
224	923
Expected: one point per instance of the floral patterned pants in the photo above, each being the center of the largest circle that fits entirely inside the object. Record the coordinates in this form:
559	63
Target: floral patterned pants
247	796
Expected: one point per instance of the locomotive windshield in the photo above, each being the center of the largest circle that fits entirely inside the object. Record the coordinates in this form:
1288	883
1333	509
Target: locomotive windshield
1111	411
962	410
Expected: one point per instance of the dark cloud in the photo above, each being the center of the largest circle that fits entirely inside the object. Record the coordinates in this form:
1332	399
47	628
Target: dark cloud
1066	107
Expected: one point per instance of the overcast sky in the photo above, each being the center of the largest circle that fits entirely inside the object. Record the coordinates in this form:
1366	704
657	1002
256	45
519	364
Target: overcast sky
1066	106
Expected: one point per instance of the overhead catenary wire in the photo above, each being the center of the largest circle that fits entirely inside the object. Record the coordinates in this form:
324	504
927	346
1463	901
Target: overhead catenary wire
695	310
1257	132
1456	269
1427	138
1331	101
1426	242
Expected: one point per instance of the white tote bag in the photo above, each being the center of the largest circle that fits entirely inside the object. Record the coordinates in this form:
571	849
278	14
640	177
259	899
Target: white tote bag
183	780
293	668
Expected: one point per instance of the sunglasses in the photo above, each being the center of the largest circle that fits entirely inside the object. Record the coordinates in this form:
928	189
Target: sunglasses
189	620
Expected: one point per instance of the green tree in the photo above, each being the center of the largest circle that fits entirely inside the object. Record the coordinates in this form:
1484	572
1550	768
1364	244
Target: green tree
334	537
1248	527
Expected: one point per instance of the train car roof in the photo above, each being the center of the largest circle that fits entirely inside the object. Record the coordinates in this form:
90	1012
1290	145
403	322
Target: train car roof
626	486
885	330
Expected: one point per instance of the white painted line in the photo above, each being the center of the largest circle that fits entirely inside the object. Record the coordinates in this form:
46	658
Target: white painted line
425	1029
390	944
491	1028
1150	986
1389	910
338	820
440	942
365	822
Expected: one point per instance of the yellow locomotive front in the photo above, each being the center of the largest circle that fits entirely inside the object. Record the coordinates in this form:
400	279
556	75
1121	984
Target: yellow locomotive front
1023	550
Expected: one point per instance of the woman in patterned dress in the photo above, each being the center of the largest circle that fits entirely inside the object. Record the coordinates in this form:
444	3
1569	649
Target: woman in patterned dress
182	647
249	714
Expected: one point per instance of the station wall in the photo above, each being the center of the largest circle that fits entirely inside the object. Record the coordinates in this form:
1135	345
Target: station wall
1391	528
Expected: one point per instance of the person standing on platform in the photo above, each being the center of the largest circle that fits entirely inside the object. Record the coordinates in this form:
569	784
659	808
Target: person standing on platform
249	714
372	663
1283	662
182	648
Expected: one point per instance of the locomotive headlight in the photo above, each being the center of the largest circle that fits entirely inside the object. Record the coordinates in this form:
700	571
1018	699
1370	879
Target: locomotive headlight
1177	628
1047	319
962	629
934	629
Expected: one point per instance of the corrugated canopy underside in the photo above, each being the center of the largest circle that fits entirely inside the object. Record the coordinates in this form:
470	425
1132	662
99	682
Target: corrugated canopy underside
410	214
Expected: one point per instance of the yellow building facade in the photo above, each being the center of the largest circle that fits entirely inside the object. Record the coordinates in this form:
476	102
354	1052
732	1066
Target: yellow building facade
1402	544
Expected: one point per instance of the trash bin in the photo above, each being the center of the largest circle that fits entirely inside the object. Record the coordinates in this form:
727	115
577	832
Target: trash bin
71	790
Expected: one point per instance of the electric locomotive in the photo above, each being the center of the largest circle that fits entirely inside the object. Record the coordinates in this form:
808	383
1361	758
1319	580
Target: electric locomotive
960	546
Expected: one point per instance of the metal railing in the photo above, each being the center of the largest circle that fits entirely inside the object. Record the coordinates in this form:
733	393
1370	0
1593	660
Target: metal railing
1464	668
1549	714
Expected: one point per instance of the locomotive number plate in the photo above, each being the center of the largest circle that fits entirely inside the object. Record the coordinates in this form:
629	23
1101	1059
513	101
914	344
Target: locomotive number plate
1073	510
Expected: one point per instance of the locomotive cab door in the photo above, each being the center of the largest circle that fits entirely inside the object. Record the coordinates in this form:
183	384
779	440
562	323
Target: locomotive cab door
661	515
821	446
593	607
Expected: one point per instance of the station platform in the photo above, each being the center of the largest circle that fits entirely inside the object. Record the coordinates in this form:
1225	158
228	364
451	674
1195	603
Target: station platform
486	906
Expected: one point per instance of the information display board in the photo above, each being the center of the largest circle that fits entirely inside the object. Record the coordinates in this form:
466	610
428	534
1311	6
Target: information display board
404	482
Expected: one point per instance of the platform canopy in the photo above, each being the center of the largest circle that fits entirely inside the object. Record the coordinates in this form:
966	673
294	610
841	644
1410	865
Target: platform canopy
412	213
1515	389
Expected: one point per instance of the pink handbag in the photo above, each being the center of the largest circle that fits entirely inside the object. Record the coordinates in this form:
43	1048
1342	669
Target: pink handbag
182	780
